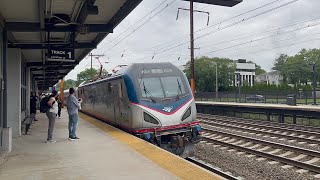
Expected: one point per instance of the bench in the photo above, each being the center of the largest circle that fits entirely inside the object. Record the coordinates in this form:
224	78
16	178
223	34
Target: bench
27	121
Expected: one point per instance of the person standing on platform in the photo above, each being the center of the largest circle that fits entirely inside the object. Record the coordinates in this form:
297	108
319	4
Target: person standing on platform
33	105
59	106
52	114
73	106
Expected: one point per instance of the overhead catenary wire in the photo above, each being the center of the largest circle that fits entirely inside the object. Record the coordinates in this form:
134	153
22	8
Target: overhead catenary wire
218	23
262	44
230	25
150	18
248	35
291	44
259	39
134	24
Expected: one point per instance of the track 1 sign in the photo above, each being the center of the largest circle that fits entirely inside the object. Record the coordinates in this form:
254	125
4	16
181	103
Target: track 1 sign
59	54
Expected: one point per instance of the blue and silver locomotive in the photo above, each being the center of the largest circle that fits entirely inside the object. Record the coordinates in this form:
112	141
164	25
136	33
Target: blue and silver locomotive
150	100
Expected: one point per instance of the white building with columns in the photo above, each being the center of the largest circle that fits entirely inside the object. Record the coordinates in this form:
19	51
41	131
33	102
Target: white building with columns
245	72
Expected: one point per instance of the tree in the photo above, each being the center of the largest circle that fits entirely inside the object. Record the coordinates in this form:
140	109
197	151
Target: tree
67	84
297	69
259	70
90	74
86	75
205	73
279	65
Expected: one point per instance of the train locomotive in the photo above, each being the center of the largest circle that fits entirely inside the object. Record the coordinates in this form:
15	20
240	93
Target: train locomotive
150	100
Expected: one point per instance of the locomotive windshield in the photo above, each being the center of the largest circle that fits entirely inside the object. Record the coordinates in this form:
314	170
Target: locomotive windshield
162	87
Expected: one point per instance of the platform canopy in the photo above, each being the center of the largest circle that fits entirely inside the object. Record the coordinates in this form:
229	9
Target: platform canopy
55	35
228	3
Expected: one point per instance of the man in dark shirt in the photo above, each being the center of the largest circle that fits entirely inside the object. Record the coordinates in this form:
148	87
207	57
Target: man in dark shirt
33	105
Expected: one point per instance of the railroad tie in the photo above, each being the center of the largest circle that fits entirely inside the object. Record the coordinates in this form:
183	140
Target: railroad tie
286	166
273	162
302	171
264	148
253	147
311	137
261	159
230	140
302	142
275	151
237	142
311	161
286	154
293	140
301	156
317	176
246	144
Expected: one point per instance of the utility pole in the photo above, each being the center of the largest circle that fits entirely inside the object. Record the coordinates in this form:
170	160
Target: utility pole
192	80
193	86
314	83
92	55
216	81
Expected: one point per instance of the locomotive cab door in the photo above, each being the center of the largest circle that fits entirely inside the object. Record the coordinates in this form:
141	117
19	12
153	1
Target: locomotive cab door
115	97
120	100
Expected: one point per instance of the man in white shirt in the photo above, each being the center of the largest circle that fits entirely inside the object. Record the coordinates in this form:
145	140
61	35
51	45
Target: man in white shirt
51	114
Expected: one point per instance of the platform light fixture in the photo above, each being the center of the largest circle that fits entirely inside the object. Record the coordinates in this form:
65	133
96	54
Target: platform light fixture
227	3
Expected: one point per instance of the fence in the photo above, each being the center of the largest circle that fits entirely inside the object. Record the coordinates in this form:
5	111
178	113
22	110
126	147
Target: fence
272	97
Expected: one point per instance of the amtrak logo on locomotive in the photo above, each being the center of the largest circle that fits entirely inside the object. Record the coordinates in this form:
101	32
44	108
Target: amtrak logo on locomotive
168	109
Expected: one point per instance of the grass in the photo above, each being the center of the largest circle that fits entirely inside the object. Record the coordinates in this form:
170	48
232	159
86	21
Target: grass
274	118
268	101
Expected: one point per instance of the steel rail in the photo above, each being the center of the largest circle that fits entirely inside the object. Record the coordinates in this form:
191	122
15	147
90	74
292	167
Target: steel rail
255	121
212	169
308	152
309	133
295	163
212	123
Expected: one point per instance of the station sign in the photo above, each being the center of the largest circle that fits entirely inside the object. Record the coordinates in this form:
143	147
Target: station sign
61	54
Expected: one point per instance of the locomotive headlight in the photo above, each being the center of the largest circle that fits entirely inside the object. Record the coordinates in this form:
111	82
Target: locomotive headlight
149	118
186	114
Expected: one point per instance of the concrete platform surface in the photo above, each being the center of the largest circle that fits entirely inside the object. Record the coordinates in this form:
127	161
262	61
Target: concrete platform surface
96	155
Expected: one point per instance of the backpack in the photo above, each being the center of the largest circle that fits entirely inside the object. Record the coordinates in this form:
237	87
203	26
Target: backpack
44	107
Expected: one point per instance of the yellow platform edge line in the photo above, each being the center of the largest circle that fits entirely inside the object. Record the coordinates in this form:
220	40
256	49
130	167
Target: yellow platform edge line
176	165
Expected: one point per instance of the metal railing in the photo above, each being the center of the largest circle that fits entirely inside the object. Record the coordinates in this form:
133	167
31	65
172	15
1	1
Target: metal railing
269	97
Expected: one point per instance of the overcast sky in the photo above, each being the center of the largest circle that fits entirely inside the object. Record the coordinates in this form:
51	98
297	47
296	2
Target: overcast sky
266	29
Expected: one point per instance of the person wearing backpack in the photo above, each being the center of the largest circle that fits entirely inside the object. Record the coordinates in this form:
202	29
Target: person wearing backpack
51	114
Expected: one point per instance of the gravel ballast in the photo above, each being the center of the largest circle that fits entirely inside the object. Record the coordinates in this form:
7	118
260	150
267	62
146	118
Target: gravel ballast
246	167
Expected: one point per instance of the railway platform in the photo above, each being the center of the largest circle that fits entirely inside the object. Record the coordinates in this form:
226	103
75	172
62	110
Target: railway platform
102	152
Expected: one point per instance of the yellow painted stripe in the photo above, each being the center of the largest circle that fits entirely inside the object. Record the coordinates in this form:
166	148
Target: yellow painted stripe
176	165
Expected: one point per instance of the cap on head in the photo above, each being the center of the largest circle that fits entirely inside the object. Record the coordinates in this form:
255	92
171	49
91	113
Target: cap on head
54	93
71	90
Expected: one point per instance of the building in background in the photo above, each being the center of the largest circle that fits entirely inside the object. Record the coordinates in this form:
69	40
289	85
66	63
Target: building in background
245	72
273	77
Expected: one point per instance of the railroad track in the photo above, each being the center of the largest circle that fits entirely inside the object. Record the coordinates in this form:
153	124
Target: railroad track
283	132
303	158
260	132
215	170
254	121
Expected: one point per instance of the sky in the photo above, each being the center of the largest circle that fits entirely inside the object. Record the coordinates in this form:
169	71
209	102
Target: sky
256	30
